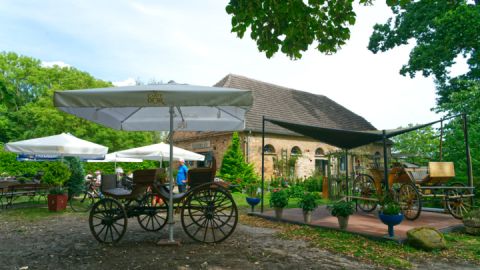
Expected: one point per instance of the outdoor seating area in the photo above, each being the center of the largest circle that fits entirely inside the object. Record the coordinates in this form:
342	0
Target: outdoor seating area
366	224
11	189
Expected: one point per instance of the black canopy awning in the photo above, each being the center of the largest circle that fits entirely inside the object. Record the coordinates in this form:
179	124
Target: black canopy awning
346	139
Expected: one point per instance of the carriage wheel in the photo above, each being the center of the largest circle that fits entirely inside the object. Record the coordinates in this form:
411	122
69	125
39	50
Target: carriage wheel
364	186
108	221
410	201
81	202
154	213
209	214
457	204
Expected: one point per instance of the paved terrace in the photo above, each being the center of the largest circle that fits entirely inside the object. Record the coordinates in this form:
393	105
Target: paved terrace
367	224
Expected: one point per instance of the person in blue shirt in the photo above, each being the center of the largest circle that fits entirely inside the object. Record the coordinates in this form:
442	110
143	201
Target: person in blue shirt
182	176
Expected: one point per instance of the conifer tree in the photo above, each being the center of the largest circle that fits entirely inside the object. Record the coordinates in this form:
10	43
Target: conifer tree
234	166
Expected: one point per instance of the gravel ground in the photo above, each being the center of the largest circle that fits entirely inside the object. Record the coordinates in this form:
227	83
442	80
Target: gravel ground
65	242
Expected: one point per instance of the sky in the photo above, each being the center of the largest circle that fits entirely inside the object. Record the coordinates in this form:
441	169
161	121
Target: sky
190	42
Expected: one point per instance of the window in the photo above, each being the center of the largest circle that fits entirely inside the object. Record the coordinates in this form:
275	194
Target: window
296	151
319	152
269	149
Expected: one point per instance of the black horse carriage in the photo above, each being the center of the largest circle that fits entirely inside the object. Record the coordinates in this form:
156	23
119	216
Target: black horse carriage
208	212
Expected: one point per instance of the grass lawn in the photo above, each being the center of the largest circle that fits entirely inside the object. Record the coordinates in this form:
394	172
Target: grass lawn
383	253
292	202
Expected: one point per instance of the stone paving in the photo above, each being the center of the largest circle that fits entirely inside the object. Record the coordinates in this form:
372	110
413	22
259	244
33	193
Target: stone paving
368	224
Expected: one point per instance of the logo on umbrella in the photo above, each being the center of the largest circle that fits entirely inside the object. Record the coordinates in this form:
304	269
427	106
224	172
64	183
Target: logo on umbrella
155	98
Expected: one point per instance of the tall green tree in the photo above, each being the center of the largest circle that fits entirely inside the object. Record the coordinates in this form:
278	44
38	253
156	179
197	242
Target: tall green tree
234	166
463	101
35	115
442	31
419	146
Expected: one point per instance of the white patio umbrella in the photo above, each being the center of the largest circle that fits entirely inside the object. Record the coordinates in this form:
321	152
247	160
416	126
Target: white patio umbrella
63	145
112	157
160	107
158	152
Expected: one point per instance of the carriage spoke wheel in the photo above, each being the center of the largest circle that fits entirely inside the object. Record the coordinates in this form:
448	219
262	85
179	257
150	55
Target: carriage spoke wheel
81	202
457	203
410	201
209	214
154	213
364	187
108	221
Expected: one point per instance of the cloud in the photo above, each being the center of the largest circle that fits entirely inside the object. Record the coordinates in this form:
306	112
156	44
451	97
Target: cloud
55	63
127	82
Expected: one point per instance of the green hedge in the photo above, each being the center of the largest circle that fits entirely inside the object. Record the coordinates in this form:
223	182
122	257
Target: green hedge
9	165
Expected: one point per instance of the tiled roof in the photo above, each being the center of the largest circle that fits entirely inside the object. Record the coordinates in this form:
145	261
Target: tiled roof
292	105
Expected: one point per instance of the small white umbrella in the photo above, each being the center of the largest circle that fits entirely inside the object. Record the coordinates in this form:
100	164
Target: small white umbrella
158	152
63	145
160	107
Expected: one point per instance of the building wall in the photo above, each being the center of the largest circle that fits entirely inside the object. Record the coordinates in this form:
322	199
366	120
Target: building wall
251	144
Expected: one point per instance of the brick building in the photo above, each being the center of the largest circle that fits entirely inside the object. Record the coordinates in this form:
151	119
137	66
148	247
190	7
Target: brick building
277	102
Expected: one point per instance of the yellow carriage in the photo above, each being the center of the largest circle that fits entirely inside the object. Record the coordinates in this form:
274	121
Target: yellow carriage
410	185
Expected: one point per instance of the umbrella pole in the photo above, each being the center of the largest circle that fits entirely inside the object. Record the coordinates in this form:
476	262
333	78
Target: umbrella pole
170	173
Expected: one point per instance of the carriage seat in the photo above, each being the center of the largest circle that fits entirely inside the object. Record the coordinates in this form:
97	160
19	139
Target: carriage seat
436	172
142	180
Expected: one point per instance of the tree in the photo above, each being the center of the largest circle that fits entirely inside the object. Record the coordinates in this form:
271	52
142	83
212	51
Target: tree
36	116
442	30
420	146
463	101
293	25
234	166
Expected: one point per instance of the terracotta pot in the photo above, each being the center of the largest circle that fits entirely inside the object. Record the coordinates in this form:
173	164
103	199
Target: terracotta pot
307	217
57	202
343	222
278	213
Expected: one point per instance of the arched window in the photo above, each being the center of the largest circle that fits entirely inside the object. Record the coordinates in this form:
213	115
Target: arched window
295	151
269	149
319	152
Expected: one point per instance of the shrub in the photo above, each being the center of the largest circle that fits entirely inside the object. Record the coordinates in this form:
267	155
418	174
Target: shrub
308	202
314	183
56	174
295	191
77	178
279	198
342	209
389	206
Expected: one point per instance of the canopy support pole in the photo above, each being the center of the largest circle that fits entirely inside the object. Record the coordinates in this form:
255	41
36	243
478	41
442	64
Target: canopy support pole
346	174
441	140
385	161
467	152
171	222
263	161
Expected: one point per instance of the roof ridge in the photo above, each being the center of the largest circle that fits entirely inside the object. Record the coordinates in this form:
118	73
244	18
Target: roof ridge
230	75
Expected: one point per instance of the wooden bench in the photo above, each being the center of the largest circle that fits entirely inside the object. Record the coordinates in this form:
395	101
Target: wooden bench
11	191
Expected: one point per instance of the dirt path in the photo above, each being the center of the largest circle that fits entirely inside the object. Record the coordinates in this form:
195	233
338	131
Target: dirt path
65	243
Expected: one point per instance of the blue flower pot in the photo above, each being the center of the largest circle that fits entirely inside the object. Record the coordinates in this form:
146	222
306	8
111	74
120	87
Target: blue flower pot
253	201
390	221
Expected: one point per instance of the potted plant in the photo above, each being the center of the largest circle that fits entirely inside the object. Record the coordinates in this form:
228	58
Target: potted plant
308	203
279	200
55	176
390	213
342	210
471	220
252	195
